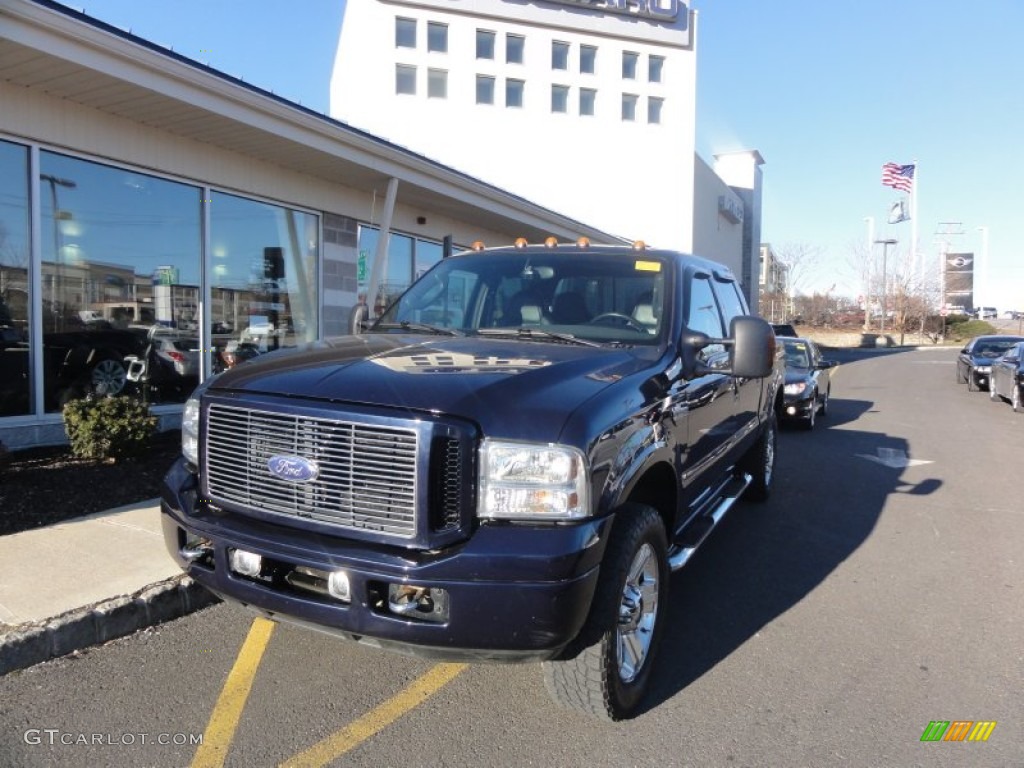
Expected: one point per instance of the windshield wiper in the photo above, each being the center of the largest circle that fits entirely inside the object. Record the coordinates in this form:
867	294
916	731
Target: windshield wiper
537	333
406	325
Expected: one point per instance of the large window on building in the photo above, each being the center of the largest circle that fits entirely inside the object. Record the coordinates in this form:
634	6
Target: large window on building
263	277
405	33
629	107
405	79
559	55
588	101
515	49
484	89
629	64
484	44
121	265
15	251
654	107
560	98
437	37
437	84
588	59
514	92
655	68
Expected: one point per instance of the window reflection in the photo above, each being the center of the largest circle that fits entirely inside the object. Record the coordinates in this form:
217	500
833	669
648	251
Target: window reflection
407	258
15	369
263	281
120	268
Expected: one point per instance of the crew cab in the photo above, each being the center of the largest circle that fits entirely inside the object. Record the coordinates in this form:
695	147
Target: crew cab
506	466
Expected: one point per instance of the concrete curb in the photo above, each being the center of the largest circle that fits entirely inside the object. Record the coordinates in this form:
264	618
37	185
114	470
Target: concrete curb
29	644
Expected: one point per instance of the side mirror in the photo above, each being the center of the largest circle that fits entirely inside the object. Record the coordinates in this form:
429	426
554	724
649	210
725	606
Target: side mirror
753	347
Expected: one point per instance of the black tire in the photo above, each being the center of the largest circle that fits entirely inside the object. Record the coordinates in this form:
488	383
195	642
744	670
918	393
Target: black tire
607	670
824	402
812	414
759	462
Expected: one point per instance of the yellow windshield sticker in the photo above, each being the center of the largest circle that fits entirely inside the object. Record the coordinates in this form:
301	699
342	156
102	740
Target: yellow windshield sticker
647	266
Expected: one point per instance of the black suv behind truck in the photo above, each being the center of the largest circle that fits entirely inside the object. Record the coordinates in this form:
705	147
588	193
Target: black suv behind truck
507	466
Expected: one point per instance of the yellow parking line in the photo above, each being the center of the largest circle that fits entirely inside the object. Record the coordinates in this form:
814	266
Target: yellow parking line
228	710
377	719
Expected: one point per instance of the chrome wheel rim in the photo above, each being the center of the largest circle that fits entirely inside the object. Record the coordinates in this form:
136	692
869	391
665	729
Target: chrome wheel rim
638	612
769	456
108	377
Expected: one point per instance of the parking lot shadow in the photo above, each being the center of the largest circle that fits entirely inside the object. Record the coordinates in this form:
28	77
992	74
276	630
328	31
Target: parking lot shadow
766	558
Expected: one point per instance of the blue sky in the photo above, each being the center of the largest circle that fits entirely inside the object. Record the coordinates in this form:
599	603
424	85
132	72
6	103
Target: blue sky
827	92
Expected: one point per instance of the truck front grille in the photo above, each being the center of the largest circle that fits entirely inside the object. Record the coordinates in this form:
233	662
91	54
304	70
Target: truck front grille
365	475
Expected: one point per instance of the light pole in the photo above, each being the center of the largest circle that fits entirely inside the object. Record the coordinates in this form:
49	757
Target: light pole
885	253
983	279
867	278
58	277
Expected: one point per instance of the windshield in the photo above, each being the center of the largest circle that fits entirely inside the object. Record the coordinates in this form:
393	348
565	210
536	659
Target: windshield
992	349
796	355
539	296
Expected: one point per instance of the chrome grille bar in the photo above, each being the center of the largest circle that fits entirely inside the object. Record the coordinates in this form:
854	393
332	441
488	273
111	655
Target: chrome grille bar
366	473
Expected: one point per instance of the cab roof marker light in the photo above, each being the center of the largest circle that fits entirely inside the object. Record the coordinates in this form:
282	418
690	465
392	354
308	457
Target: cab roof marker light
583	242
521	242
478	245
551	242
639	245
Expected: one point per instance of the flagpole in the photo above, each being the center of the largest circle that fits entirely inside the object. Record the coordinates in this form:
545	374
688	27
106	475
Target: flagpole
914	270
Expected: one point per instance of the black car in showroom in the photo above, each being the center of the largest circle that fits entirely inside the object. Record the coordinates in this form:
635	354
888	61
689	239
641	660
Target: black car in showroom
974	363
808	382
1007	377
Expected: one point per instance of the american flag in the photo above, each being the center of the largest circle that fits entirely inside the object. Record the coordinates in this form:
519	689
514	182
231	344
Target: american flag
898	176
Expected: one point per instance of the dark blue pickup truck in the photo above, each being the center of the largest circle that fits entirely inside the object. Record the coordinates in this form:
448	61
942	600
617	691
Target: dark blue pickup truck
506	466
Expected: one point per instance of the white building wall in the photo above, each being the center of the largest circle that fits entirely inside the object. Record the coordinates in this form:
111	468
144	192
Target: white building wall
594	168
716	235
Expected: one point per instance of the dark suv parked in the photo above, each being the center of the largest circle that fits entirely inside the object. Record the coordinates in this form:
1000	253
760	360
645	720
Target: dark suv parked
506	466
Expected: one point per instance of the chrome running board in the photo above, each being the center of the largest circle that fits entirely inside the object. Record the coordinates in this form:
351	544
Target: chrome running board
679	556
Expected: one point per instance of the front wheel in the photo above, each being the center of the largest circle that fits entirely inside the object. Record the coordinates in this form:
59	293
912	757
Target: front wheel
824	402
972	385
608	668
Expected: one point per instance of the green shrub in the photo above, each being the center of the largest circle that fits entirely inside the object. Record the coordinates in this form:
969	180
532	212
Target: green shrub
968	329
108	427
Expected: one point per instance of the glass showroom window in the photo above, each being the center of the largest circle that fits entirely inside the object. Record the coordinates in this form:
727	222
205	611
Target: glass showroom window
629	107
484	89
655	67
263	278
588	59
120	277
437	84
437	37
405	33
654	106
407	258
405	79
588	100
515	46
559	55
514	92
484	44
560	98
15	364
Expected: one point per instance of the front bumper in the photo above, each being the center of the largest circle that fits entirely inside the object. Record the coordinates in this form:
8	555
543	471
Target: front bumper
513	592
797	407
981	377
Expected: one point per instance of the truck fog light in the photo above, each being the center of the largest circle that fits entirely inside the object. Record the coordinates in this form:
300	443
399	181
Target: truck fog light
791	410
338	586
245	563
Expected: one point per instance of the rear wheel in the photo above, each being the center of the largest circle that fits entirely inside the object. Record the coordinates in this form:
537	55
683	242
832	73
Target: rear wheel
107	377
759	462
607	670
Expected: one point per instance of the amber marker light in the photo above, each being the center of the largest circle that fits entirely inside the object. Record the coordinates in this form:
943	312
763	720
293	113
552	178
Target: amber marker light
478	245
583	242
551	242
521	242
639	245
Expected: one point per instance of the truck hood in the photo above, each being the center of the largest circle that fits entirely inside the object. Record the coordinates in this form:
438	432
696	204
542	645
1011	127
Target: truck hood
509	387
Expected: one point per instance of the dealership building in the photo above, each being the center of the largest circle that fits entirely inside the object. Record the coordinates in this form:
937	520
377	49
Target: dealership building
141	189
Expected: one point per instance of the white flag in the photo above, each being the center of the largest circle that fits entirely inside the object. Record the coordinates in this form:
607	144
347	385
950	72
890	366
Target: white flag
898	212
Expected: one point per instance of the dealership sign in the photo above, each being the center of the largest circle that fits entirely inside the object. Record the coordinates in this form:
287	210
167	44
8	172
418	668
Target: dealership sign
660	10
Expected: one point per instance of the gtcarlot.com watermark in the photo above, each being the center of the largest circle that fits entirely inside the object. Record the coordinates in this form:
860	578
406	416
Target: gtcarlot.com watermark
55	736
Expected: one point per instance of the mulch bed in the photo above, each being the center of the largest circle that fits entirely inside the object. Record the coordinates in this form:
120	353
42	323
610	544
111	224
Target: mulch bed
42	486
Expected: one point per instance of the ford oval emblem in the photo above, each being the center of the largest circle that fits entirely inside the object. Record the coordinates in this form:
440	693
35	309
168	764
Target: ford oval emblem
294	469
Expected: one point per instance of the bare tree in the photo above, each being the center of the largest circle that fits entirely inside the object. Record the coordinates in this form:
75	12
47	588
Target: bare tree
802	260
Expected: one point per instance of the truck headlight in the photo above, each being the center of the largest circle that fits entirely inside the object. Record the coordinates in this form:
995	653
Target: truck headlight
795	389
190	431
528	481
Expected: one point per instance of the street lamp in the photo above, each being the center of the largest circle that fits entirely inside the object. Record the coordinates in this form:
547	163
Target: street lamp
885	253
981	285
